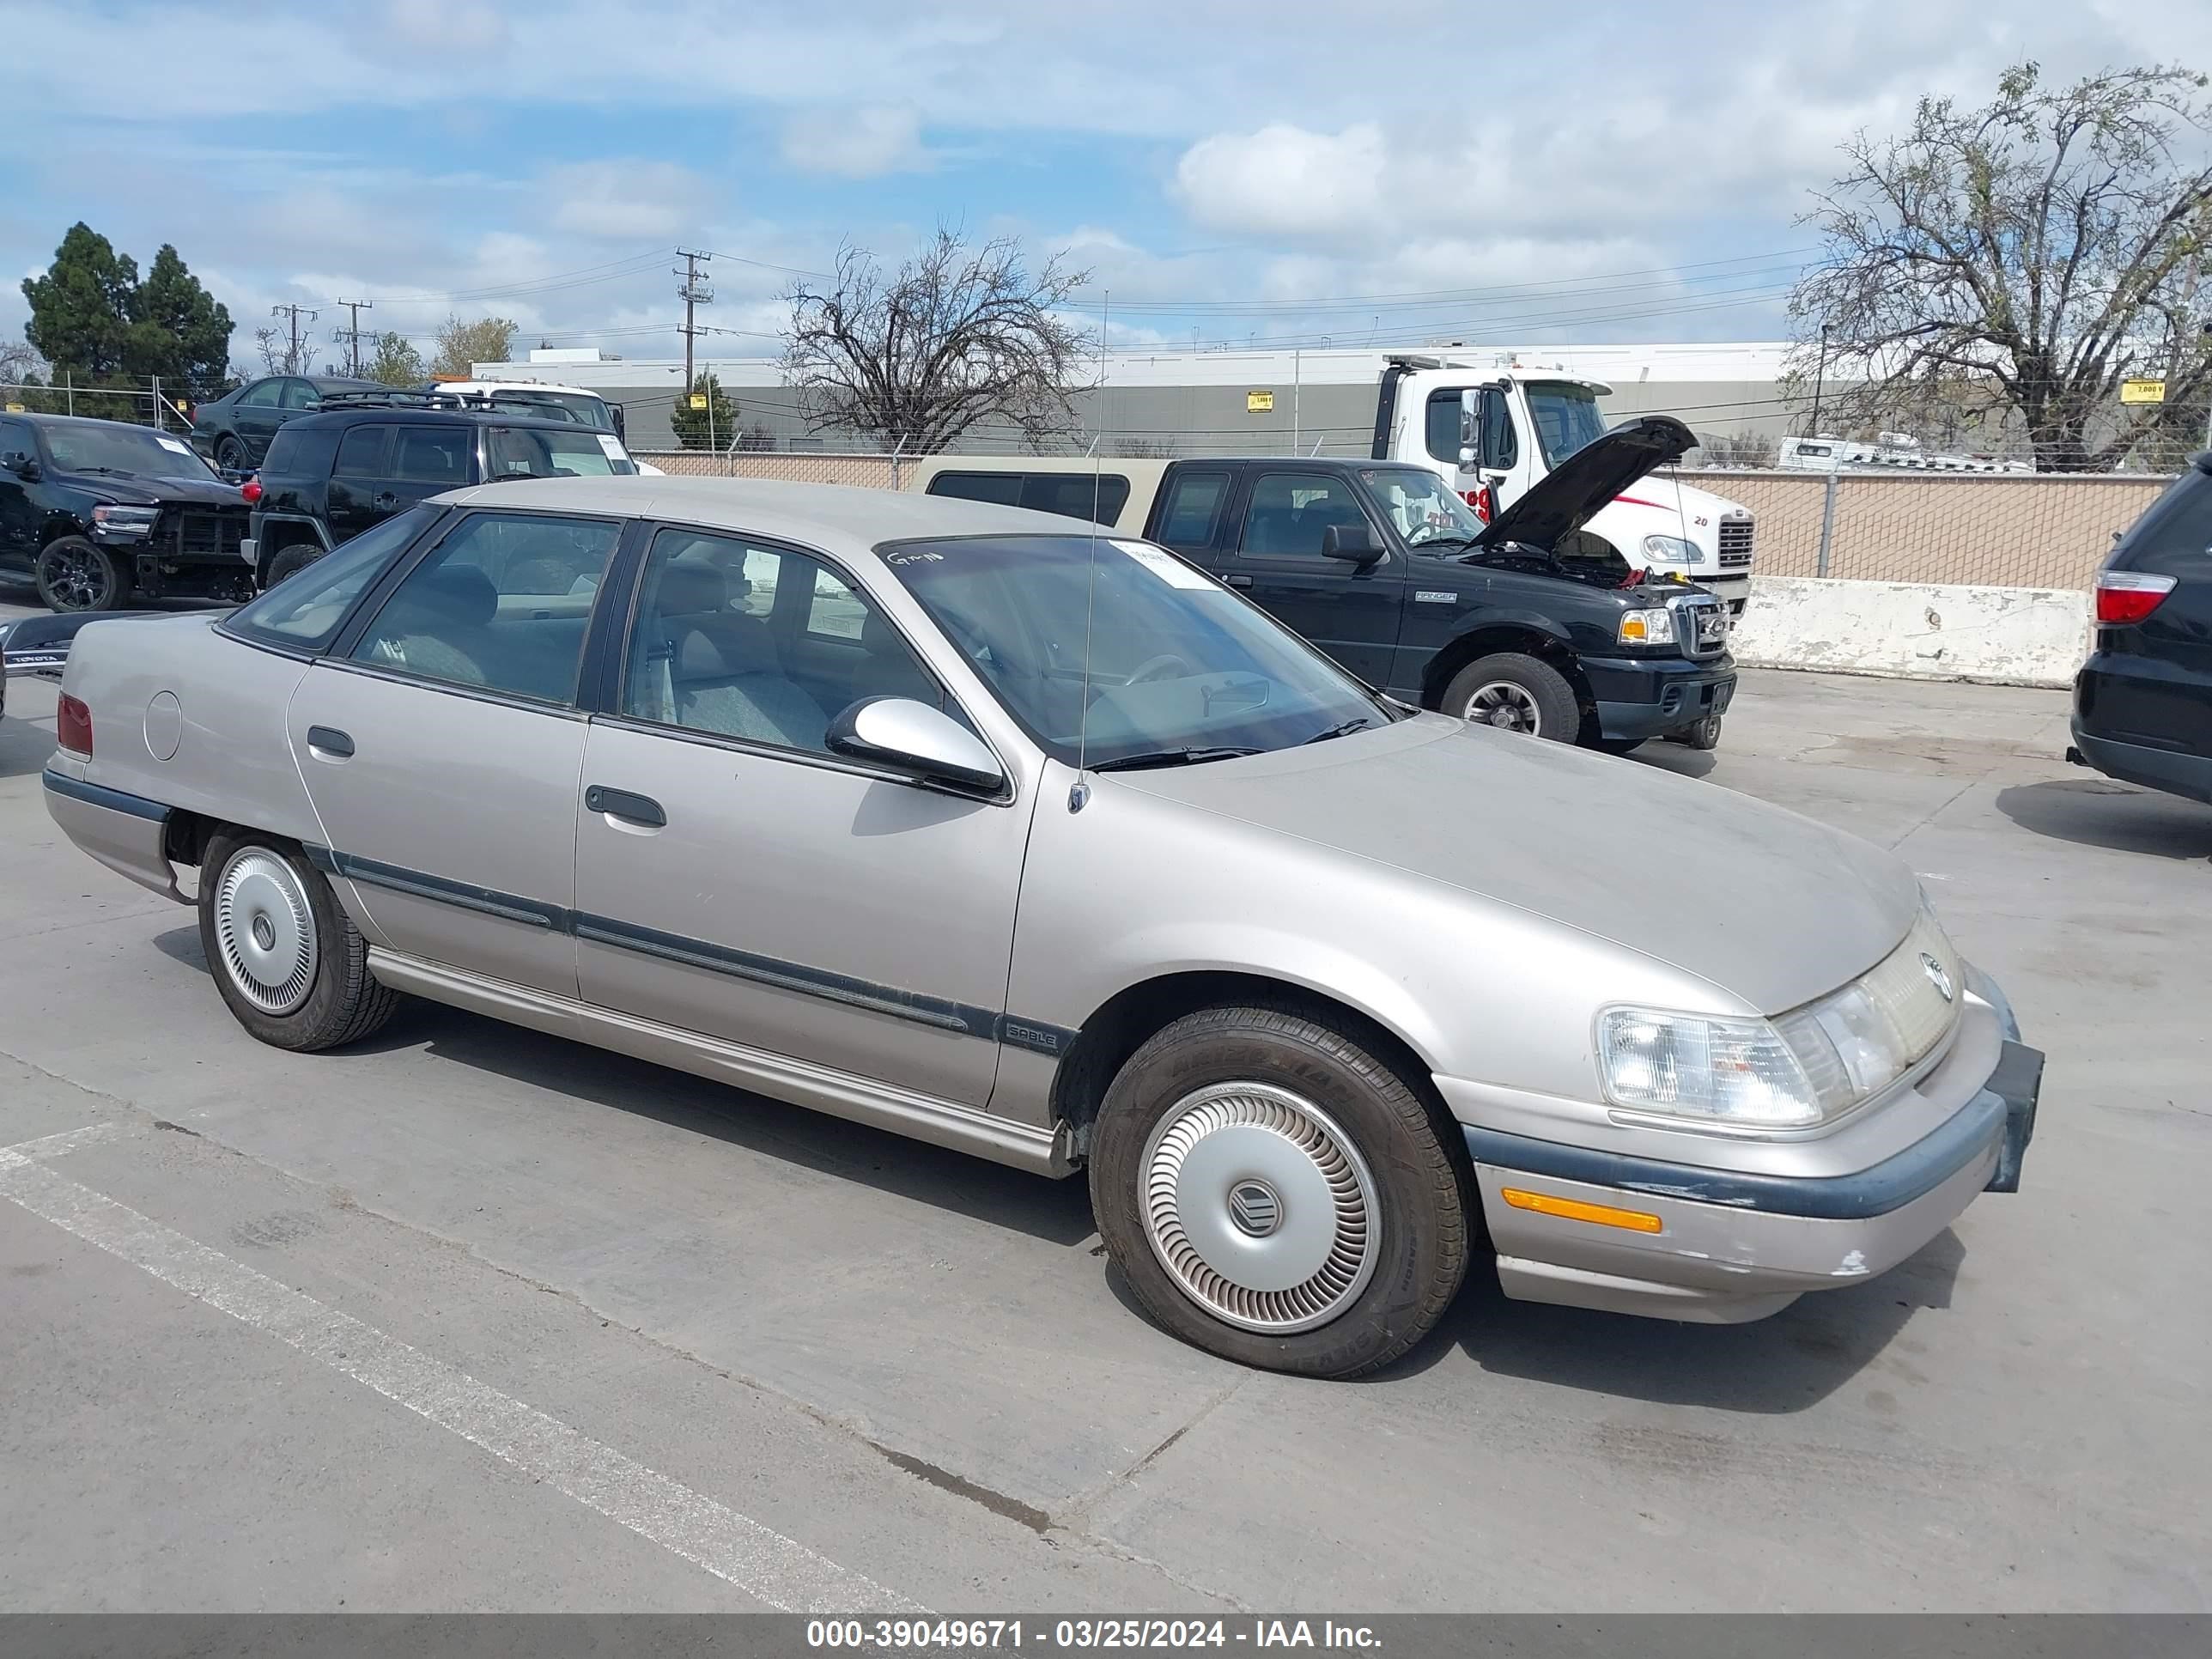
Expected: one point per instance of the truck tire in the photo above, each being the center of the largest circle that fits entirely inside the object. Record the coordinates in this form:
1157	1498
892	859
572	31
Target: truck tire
1277	1194
291	560
1515	692
73	575
290	964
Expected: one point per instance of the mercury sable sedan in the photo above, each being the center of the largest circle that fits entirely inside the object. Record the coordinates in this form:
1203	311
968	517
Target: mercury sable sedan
1033	841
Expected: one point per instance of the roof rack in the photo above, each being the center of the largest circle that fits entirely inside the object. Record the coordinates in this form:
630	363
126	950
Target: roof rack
434	398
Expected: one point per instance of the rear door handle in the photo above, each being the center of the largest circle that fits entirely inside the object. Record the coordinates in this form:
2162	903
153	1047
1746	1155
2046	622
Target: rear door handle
1238	581
331	741
621	804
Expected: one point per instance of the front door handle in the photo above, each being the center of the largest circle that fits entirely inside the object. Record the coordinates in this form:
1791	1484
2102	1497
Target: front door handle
621	804
1238	581
329	740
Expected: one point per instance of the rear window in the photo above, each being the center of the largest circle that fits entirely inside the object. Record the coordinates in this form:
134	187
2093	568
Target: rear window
434	454
1097	498
2174	535
305	611
297	453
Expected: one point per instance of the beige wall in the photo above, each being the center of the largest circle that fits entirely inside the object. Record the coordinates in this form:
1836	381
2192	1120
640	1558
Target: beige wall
1996	532
1992	531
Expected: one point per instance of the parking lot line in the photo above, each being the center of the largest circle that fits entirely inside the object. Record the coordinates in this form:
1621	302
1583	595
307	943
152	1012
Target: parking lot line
756	1560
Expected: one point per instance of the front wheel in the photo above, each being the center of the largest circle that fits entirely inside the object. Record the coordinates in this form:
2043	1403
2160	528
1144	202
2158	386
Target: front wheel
1277	1194
73	576
290	964
1515	692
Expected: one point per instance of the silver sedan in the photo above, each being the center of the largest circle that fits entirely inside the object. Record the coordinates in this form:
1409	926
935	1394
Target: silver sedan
984	828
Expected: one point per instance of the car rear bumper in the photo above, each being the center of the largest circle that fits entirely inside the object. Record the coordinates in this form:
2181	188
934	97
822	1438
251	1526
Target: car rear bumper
1594	1229
127	833
2171	770
1640	699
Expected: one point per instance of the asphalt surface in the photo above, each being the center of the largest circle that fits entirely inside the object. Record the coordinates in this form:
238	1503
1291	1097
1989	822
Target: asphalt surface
470	1318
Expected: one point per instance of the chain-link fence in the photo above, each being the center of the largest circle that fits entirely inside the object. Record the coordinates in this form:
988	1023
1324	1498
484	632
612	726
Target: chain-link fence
144	403
878	471
1987	530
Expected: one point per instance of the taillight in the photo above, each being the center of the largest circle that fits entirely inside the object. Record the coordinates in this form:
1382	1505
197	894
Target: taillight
251	489
2128	596
73	725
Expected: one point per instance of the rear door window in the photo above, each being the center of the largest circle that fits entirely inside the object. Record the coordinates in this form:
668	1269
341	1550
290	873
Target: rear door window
362	452
299	394
437	455
1193	510
262	394
293	453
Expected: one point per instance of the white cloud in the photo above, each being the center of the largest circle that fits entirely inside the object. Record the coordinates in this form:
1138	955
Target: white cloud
630	201
855	143
1284	180
448	25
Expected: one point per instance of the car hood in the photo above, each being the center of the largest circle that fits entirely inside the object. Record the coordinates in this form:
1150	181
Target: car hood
1563	499
133	490
1762	902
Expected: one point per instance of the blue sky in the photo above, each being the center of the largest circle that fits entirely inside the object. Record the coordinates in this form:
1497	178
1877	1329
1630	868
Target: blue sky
1241	170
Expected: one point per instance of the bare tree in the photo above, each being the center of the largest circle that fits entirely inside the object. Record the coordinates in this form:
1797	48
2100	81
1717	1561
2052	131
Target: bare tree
960	336
2020	261
278	356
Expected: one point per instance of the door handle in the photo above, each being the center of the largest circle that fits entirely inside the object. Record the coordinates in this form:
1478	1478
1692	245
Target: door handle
385	498
331	741
621	804
1237	582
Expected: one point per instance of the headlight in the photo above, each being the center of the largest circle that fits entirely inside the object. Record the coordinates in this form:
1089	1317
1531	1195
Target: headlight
1671	549
1800	1069
1652	627
124	521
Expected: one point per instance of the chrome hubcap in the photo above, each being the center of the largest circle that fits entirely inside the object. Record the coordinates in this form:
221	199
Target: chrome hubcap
1504	705
1259	1207
264	931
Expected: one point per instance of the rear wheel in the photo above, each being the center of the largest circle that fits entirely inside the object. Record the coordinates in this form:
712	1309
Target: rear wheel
230	454
1515	692
1277	1194
73	574
286	958
291	560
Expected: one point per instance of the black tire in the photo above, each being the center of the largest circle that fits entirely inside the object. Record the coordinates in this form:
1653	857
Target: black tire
1541	701
1617	745
230	454
1705	734
290	561
340	1002
75	575
1421	1206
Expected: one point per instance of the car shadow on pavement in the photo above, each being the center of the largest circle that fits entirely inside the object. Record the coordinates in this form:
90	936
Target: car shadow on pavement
1673	757
2094	811
25	746
1773	1366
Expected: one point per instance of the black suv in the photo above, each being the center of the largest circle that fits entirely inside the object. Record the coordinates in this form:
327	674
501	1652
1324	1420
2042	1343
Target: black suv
331	476
101	512
234	430
2142	703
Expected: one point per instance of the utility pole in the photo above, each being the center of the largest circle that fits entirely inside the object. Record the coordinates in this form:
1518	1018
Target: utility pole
693	293
353	336
294	312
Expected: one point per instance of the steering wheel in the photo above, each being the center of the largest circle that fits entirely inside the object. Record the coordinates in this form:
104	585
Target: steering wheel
1155	668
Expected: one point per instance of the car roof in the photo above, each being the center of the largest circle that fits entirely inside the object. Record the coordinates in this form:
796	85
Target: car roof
412	415
37	418
841	517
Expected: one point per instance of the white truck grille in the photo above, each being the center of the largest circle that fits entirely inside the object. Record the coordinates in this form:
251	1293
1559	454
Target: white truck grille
1736	542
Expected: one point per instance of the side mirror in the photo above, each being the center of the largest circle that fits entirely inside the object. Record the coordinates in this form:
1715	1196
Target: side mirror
913	737
1357	543
1470	427
22	465
622	427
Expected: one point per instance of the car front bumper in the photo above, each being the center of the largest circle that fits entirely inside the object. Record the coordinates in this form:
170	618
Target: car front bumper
1589	1228
1641	698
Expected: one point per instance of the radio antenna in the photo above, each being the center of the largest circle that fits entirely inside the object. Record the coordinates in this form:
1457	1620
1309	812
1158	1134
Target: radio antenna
1081	791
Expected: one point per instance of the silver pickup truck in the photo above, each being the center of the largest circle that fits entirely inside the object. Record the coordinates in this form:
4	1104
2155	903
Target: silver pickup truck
1028	838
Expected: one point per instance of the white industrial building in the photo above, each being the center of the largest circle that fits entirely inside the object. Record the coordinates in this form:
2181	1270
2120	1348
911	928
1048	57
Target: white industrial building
1253	401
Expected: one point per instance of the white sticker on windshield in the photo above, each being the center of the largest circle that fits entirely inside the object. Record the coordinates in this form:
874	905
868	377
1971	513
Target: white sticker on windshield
1163	564
171	443
613	447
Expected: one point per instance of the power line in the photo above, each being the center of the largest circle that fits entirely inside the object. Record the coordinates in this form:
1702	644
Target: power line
352	335
693	293
294	312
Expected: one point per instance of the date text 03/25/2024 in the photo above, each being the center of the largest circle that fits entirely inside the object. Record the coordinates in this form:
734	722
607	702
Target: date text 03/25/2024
957	1634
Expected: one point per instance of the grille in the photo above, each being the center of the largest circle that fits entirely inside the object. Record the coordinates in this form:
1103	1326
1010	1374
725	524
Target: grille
1735	542
205	534
1703	627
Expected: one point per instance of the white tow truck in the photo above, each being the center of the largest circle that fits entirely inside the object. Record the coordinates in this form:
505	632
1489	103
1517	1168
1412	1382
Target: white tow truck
1492	432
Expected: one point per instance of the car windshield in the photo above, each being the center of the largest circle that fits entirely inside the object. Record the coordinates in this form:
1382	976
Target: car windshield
1566	417
98	444
519	451
1116	651
1423	506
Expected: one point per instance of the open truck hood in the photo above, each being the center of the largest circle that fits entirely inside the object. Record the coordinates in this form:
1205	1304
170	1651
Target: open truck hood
1581	486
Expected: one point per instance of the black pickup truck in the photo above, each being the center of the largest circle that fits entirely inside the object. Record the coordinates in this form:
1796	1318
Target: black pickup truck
1523	622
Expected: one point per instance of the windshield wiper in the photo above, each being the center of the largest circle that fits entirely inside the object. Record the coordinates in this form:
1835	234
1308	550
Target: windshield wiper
111	472
1357	723
1145	759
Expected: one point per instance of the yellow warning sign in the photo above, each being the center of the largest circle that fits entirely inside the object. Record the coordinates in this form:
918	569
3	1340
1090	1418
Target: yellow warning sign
1259	402
698	400
2142	391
